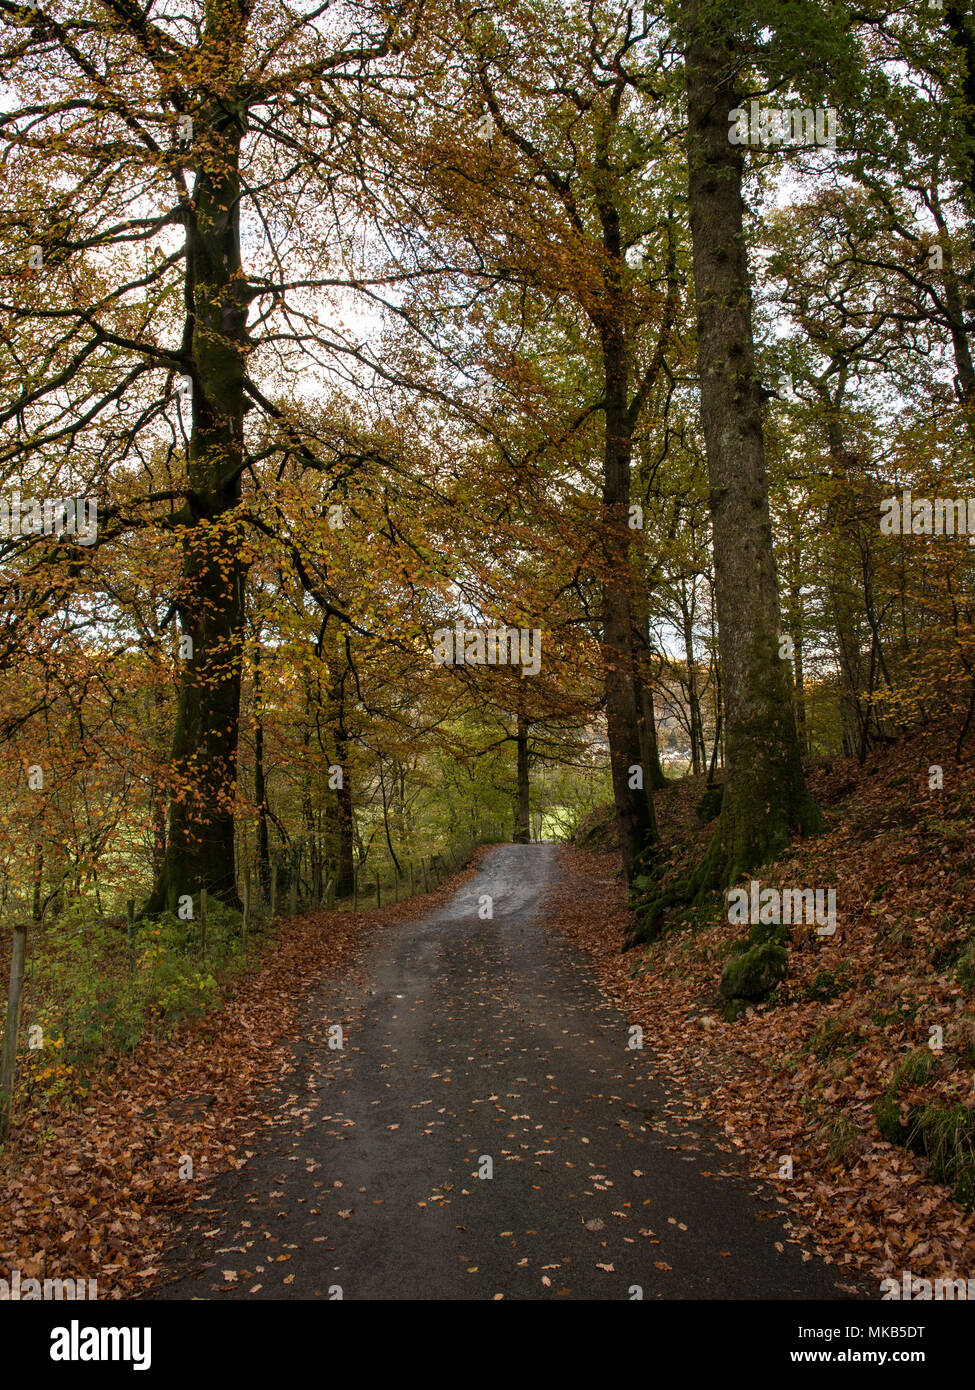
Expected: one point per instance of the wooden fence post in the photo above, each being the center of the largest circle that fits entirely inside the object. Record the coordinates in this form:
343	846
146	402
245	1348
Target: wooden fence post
8	1065
130	908
246	920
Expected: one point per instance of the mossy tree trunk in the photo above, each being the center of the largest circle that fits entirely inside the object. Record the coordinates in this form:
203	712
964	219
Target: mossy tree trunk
765	795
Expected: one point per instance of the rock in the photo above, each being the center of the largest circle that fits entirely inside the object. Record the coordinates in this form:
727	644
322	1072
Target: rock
754	972
709	806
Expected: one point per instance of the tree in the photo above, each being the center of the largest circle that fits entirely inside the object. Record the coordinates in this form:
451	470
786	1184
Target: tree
157	132
764	792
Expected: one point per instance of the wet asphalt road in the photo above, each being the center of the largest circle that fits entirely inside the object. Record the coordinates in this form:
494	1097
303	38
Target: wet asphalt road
477	1045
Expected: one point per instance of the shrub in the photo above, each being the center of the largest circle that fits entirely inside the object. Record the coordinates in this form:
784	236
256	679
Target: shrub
91	998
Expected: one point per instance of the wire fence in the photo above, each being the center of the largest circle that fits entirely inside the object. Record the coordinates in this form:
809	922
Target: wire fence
299	877
97	982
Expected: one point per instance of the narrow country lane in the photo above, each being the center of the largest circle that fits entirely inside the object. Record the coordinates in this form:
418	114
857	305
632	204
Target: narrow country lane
475	1043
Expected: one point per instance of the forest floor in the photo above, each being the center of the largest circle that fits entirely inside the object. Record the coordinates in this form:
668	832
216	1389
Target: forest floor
315	1166
93	1189
799	1077
361	1168
485	1132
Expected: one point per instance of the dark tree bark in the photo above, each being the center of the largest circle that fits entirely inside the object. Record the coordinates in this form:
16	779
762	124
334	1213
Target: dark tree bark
649	746
37	881
793	553
346	847
961	31
960	345
344	811
260	785
693	700
624	715
203	767
157	800
646	714
634	806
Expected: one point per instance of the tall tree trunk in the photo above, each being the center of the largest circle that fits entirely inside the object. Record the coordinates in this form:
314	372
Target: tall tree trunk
631	791
314	848
961	30
522	834
850	587
346	847
693	703
200	843
260	783
157	797
794	616
799	687
852	717
649	746
765	795
954	304
37	881
646	715
344	810
8	1063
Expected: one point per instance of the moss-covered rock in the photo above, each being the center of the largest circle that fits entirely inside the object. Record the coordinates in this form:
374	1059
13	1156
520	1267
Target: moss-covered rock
754	972
709	806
